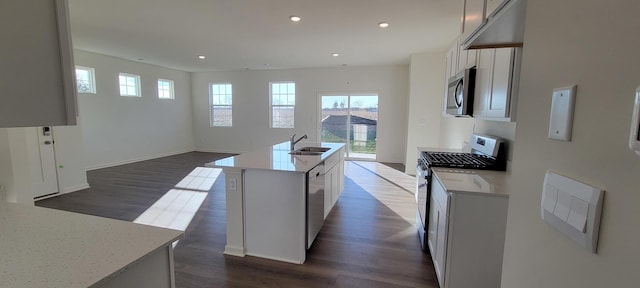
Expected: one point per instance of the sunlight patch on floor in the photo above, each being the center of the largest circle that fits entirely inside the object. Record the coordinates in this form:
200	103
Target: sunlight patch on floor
384	180
201	179
176	208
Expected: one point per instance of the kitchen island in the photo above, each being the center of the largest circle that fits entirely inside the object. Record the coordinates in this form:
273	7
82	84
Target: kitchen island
267	198
42	247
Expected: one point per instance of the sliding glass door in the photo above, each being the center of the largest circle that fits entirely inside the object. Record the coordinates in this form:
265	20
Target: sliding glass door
351	119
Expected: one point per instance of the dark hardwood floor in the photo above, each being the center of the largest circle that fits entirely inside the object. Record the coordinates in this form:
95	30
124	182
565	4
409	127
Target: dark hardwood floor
368	240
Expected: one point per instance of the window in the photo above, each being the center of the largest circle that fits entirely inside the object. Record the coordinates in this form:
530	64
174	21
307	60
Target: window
165	89
129	85
221	99
86	80
283	102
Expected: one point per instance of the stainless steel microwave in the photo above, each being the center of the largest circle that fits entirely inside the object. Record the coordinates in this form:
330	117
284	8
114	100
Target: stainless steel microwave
460	90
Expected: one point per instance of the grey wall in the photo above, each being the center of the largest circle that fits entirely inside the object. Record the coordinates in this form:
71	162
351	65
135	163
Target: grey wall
251	106
592	44
118	130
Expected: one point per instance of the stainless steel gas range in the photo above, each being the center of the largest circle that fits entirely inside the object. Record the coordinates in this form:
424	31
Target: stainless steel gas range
487	153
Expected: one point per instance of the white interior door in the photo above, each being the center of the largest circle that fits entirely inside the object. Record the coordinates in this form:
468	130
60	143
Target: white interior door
44	177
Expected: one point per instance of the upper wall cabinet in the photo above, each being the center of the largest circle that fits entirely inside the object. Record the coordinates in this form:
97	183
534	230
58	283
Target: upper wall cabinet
459	59
494	6
497	79
37	81
472	17
502	24
452	61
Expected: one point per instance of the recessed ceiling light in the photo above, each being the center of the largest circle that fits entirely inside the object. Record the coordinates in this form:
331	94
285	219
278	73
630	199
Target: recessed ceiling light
335	54
295	18
383	24
201	57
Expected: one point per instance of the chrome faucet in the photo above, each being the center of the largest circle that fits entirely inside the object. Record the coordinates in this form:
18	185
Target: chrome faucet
293	141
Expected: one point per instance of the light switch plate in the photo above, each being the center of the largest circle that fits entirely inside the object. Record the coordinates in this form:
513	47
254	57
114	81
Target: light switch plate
233	185
634	135
561	118
573	208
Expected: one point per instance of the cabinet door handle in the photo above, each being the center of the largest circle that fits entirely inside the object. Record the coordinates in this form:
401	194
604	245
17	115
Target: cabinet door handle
48	142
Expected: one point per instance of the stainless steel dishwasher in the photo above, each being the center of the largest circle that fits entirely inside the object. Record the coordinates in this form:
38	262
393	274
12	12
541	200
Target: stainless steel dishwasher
315	202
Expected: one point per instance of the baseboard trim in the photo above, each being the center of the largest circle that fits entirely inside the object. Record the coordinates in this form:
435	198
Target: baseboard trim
298	261
234	251
76	188
217	151
144	158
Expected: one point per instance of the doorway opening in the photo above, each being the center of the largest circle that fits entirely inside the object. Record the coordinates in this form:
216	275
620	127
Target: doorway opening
352	119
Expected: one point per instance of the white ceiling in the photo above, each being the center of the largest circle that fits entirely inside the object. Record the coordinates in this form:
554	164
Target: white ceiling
257	34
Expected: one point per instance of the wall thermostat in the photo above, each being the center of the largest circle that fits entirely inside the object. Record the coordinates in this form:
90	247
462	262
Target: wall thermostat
634	135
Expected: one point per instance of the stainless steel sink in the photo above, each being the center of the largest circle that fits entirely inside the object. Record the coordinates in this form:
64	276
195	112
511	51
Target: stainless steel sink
306	153
314	149
310	151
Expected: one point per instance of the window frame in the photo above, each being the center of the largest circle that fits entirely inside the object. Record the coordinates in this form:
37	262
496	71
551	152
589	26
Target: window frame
212	105
92	79
272	105
171	91
137	86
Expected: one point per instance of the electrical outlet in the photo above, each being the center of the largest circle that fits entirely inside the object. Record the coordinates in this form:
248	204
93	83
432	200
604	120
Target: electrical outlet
233	184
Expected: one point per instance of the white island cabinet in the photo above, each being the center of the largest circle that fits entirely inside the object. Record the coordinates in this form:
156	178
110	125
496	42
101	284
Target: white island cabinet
467	224
267	199
42	247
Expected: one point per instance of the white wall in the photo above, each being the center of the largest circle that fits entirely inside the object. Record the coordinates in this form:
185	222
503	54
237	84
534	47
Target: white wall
251	106
592	44
70	157
18	145
455	131
6	173
120	130
426	90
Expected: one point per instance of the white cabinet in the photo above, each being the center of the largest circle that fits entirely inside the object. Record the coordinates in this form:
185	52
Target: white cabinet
458	59
452	62
501	24
493	6
37	81
466	236
466	58
331	192
437	231
497	78
472	18
331	182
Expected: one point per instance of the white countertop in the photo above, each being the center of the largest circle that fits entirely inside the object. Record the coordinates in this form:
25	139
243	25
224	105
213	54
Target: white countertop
42	247
491	183
276	157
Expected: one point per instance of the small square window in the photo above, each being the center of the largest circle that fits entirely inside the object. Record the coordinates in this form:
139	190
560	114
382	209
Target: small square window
165	89
85	80
129	85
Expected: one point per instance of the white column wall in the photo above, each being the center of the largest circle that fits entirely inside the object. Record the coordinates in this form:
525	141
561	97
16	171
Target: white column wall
426	90
592	44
